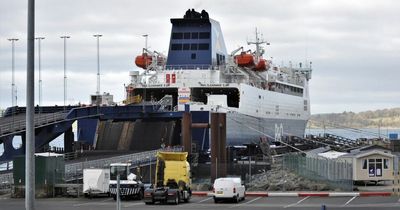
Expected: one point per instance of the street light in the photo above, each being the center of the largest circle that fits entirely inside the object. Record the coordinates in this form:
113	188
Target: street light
65	68
40	72
149	157
98	64
13	96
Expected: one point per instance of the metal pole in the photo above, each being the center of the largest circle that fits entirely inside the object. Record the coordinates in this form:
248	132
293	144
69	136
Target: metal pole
144	94
98	63
118	199
40	71
150	169
216	168
249	169
30	111
13	40
65	69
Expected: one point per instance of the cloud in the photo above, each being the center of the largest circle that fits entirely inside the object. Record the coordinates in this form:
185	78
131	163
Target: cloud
353	44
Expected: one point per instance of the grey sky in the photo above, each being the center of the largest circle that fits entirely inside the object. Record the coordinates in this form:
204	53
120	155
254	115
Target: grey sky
354	45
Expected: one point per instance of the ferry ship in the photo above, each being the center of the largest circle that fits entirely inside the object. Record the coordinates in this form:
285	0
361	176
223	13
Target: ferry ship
260	98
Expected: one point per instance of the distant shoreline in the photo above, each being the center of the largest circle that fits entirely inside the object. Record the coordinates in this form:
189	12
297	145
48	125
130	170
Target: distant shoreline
348	127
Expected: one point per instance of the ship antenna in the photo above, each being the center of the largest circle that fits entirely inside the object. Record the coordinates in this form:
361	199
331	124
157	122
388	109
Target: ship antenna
258	42
145	42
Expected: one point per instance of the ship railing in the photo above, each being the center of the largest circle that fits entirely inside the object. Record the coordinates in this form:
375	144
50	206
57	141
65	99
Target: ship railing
192	67
18	122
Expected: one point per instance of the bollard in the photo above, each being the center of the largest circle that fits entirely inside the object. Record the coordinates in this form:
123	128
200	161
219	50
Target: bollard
323	207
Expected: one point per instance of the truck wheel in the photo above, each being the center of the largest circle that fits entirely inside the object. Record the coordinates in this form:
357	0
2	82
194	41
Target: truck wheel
114	197
140	195
177	199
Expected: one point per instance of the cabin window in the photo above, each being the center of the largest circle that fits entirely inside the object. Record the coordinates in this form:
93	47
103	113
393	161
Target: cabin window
193	46
177	35
386	163
365	164
176	47
193	56
195	35
204	35
186	46
186	35
204	46
379	168
375	167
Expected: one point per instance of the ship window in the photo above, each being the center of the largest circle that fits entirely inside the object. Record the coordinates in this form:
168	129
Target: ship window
204	35
204	46
177	35
195	35
186	46
176	47
193	46
193	56
186	35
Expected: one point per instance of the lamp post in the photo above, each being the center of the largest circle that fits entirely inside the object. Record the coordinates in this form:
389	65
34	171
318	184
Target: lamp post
65	68
144	92
98	64
40	72
150	168
13	96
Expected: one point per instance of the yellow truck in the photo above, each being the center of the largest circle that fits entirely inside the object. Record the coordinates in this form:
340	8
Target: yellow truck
172	179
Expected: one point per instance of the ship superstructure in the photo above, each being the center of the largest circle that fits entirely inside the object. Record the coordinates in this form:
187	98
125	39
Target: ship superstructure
259	97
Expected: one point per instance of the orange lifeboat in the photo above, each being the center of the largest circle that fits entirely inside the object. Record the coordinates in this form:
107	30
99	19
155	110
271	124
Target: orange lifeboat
262	65
244	60
143	61
247	60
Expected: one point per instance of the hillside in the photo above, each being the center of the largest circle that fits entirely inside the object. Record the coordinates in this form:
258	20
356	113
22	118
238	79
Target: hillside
389	118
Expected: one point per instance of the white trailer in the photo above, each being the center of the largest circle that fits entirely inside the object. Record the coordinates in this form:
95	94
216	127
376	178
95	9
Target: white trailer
96	182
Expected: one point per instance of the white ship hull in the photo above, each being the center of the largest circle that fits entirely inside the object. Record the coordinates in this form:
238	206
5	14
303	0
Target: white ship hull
261	113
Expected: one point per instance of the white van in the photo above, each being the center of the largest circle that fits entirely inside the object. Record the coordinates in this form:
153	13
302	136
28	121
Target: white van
228	188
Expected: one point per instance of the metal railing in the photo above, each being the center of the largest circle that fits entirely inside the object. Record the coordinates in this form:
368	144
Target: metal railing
18	122
75	170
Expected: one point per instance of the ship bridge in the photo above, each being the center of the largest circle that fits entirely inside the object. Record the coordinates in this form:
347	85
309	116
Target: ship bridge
196	42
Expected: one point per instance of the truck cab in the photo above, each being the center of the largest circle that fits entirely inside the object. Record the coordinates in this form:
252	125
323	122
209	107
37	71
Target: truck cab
172	179
130	185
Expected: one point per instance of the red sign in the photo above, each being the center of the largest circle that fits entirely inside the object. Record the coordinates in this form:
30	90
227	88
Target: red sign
167	78
173	78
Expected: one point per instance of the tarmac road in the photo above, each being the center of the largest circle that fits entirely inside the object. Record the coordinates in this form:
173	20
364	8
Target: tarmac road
270	203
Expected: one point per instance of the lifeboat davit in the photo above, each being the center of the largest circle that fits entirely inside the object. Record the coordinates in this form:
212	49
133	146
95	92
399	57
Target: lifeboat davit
143	61
247	60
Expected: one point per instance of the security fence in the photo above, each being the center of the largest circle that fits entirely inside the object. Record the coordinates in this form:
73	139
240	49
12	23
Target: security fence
74	171
335	173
